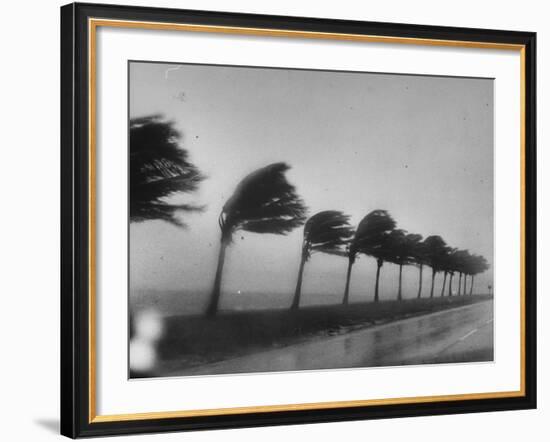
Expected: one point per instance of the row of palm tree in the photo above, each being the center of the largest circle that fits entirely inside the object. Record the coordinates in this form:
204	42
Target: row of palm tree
265	202
376	236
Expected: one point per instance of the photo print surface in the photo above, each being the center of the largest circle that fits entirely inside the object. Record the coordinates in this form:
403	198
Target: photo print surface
287	219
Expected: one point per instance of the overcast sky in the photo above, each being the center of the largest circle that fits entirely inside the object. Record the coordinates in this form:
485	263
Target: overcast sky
419	147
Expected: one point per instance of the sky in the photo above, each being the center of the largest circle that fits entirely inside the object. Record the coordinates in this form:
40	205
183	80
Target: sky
420	147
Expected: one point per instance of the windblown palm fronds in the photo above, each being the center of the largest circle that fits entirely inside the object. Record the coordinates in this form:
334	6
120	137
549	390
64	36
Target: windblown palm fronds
326	232
475	264
263	202
159	168
372	233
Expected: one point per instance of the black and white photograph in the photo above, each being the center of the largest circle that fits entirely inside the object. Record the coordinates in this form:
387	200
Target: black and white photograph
293	219
285	219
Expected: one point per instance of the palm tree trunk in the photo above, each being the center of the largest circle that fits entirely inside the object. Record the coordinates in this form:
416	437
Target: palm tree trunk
451	284
399	295
420	282
459	282
433	279
348	276
471	284
379	263
216	290
464	288
296	301
444	282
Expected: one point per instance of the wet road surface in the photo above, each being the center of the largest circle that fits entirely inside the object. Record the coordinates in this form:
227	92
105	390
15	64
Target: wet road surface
463	334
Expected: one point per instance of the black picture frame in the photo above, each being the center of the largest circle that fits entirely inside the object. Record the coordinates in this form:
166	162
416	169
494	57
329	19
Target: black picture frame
75	221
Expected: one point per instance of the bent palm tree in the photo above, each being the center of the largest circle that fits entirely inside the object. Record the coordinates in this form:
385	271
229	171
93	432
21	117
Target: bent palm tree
263	202
477	264
351	260
461	258
371	238
435	251
454	265
159	168
448	263
327	232
419	258
451	274
401	247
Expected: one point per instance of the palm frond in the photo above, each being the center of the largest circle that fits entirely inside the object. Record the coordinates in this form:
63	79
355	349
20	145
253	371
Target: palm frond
435	251
327	232
159	168
397	247
372	234
162	211
475	264
264	202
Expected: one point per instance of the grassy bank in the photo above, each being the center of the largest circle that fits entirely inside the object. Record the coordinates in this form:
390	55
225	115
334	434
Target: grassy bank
194	340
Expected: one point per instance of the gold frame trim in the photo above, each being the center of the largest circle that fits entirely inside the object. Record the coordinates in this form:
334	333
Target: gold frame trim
93	24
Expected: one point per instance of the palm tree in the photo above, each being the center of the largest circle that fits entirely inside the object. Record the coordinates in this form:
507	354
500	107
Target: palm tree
451	274
263	202
401	252
352	255
436	249
461	258
448	264
419	258
455	264
467	268
467	260
371	238
327	232
159	168
444	282
477	264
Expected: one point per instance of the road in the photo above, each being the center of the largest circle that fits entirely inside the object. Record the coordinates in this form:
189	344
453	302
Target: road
462	334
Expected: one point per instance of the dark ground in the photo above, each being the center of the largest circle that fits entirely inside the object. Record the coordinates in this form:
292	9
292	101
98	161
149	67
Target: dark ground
192	341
